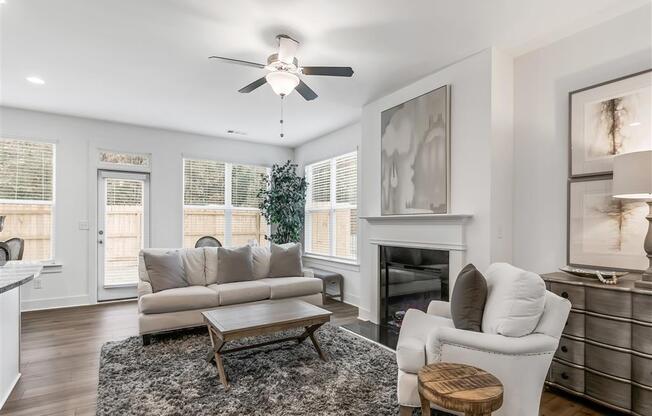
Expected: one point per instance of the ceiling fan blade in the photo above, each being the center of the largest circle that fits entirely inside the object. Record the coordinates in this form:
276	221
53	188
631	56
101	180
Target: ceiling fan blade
306	92
237	61
287	48
257	83
331	71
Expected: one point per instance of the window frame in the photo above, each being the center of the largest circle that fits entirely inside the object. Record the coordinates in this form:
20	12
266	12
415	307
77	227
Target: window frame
333	206
52	203
227	207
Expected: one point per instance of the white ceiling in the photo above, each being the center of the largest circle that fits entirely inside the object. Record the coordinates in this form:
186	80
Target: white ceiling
145	61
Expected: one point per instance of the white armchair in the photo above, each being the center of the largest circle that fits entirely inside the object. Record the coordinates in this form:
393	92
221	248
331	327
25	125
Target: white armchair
520	363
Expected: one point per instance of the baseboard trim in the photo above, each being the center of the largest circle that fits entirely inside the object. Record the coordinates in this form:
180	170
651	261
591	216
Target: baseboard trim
4	399
55	303
368	340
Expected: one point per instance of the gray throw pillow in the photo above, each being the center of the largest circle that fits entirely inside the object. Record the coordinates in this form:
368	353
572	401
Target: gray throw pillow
468	299
285	260
165	270
234	265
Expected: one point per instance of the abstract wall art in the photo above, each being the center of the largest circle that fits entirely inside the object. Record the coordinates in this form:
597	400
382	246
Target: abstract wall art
415	155
605	232
608	119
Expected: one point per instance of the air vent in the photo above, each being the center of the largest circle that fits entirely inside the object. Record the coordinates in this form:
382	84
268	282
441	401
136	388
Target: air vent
238	132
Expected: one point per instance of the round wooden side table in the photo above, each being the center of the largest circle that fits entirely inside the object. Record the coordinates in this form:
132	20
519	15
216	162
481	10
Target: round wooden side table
459	387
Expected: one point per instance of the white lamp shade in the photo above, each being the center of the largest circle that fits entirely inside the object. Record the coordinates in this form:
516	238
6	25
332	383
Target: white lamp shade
282	82
633	175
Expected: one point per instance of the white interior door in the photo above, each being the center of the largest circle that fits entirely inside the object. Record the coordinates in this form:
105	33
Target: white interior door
122	231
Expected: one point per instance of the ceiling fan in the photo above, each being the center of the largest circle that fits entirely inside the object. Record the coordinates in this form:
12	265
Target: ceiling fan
285	71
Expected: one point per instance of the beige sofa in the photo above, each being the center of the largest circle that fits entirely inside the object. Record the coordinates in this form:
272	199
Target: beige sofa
181	307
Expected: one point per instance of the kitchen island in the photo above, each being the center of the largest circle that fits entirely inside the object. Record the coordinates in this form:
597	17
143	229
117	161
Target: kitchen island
12	276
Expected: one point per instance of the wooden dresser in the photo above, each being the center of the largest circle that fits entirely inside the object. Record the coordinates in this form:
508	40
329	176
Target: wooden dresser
605	353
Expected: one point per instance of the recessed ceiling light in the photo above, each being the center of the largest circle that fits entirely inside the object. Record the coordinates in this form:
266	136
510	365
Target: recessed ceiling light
3	1
35	80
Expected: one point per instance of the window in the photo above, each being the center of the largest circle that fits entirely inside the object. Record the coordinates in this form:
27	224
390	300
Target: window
124	161
27	195
331	207
221	200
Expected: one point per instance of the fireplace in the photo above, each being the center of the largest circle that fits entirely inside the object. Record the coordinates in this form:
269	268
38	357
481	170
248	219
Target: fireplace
409	279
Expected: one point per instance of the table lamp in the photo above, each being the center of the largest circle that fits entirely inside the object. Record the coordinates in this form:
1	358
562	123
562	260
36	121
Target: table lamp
633	180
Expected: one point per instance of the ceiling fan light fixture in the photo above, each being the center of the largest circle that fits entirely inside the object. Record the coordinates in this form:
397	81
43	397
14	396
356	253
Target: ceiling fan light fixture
282	82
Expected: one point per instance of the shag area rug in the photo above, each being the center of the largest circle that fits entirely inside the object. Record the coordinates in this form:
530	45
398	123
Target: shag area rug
172	377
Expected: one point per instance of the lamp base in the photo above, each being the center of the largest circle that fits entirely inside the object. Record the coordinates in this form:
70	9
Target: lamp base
646	281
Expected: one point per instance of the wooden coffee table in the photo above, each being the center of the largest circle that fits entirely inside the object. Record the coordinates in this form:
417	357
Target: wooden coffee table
459	387
240	321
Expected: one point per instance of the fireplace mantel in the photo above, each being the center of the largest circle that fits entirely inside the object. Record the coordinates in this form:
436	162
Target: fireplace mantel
418	217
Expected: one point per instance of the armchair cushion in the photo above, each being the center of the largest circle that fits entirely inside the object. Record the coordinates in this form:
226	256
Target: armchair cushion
411	346
515	301
468	299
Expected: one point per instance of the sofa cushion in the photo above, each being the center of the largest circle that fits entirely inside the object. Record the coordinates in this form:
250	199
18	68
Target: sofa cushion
179	299
515	301
234	265
261	257
285	260
165	270
211	265
468	299
241	292
289	287
194	265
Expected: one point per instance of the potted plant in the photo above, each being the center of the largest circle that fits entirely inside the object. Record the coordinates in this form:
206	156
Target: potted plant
283	200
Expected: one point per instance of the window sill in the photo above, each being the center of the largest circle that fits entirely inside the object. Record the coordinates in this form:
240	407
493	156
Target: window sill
336	262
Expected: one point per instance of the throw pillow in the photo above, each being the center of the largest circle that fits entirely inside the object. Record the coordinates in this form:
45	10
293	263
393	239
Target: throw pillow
165	270
515	301
468	299
285	260
234	265
261	257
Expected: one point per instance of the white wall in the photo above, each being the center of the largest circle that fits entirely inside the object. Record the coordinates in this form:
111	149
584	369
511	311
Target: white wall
339	142
542	81
76	181
471	166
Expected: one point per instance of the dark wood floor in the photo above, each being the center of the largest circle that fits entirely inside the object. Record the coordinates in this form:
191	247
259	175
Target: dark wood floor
61	351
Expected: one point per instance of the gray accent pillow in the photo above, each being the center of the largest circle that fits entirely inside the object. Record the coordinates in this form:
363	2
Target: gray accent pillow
234	265
468	299
285	260
165	270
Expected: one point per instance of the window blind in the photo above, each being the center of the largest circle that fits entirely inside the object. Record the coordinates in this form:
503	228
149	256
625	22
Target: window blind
319	181
26	170
124	192
203	182
331	210
346	179
246	182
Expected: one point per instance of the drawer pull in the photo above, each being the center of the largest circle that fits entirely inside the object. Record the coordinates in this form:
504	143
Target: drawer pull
564	295
564	349
564	376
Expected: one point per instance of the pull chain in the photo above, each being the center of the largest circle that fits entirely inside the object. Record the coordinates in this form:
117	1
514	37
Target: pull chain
281	121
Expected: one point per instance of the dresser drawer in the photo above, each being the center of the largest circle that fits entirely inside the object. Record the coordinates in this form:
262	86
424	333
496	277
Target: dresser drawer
642	370
642	307
609	331
642	400
575	294
567	376
605	360
642	338
608	302
570	350
575	324
608	390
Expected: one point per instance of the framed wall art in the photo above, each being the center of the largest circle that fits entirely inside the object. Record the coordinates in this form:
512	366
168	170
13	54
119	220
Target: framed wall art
605	232
415	155
608	119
